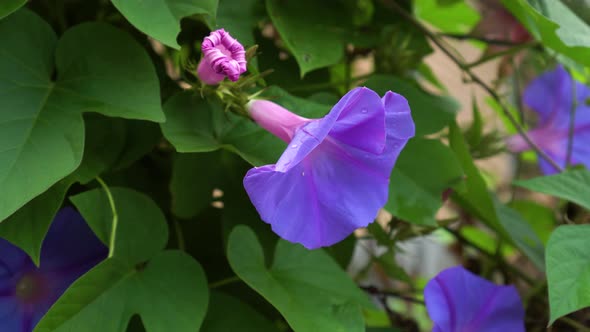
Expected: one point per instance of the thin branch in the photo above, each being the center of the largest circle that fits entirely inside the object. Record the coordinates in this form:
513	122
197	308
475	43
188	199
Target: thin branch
509	51
575	324
492	256
491	41
375	291
476	79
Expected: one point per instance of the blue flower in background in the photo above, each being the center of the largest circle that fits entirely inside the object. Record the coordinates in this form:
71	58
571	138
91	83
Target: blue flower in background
459	301
551	96
26	291
334	176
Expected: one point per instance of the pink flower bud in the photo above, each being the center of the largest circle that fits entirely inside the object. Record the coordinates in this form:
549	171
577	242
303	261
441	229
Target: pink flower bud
222	56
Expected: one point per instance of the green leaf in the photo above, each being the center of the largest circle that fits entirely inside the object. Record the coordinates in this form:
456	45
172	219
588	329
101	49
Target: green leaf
168	289
160	19
41	118
382	329
312	30
568	270
415	191
520	233
238	210
103	145
140	138
387	262
307	287
342	251
195	176
239	18
580	8
474	133
8	7
571	185
431	113
285	71
142	231
540	217
226	313
477	200
557	27
169	293
476	197
26	228
196	125
455	17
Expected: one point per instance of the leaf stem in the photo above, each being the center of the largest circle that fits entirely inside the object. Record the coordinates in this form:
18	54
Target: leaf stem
224	282
179	235
448	50
115	215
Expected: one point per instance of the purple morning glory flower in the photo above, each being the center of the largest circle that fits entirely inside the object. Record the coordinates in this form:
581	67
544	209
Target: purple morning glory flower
334	175
26	291
460	301
551	96
222	56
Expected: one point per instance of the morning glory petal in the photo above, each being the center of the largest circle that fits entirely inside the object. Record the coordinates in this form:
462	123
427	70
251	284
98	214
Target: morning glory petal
550	96
361	123
459	301
70	244
334	175
11	316
12	260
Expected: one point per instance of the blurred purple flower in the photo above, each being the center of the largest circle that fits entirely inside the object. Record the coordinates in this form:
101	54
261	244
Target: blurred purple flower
459	301
334	175
222	56
551	96
26	291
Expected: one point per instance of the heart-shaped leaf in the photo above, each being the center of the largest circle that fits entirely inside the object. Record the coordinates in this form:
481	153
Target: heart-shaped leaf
167	289
311	291
568	270
160	19
46	84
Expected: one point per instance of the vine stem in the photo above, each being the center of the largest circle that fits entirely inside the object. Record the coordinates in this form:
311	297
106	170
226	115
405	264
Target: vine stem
509	51
512	269
375	291
491	41
448	50
115	215
575	324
